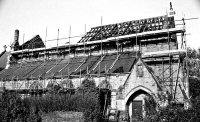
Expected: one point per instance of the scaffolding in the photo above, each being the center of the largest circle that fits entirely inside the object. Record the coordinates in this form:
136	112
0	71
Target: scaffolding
137	33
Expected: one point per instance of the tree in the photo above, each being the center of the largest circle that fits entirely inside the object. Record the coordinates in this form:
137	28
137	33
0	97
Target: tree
90	100
194	71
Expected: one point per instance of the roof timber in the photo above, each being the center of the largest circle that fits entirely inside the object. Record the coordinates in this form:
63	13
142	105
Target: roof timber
111	39
129	27
143	34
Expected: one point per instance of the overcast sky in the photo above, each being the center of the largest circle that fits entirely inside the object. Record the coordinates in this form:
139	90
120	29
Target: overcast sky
32	17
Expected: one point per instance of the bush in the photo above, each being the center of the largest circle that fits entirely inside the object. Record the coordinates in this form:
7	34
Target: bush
150	105
176	113
90	105
13	108
86	100
194	87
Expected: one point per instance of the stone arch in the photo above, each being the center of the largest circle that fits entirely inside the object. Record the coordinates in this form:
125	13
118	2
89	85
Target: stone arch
136	90
135	101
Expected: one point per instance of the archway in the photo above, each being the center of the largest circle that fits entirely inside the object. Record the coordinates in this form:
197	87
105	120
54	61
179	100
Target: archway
135	102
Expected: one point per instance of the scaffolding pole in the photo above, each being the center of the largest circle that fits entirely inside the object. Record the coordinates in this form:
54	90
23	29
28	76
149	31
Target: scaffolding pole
23	44
177	77
187	67
84	41
117	39
80	77
57	40
101	36
69	37
136	44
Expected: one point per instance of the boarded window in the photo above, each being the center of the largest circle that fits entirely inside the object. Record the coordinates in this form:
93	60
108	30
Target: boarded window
140	71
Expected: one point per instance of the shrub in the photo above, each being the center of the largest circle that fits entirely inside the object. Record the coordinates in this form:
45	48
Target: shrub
150	105
86	100
176	113
90	96
34	115
12	108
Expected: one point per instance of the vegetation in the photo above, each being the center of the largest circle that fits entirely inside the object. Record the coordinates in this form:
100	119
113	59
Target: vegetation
86	100
194	72
174	112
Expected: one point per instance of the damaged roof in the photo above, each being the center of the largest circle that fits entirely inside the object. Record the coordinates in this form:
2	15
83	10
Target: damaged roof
35	42
129	27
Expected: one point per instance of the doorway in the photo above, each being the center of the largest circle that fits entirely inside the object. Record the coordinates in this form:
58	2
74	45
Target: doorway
137	110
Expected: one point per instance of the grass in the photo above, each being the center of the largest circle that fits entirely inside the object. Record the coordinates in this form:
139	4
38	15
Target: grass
59	116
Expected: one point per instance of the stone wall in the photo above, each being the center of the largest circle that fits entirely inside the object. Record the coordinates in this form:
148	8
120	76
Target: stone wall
169	81
158	47
135	81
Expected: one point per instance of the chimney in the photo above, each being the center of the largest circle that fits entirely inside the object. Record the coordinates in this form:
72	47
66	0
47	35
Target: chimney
15	44
16	36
